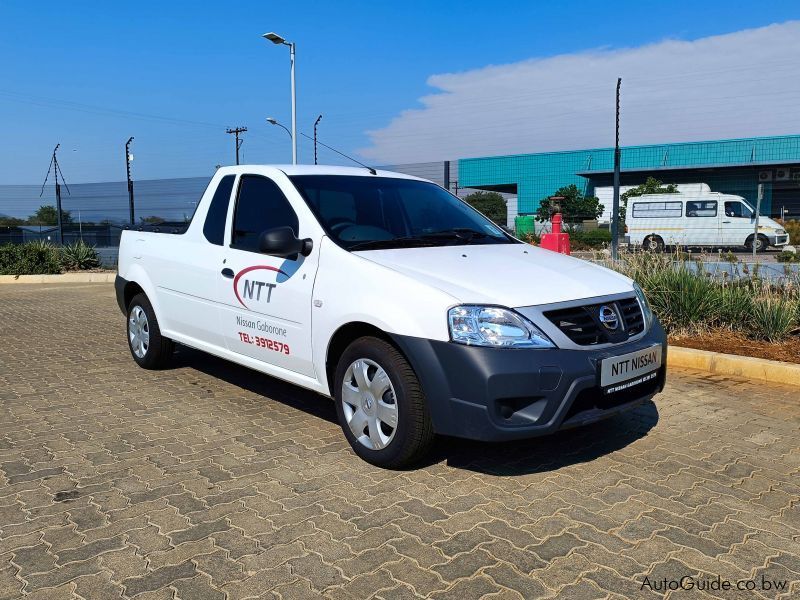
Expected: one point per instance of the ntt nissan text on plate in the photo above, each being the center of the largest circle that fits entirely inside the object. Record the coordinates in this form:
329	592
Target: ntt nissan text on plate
410	309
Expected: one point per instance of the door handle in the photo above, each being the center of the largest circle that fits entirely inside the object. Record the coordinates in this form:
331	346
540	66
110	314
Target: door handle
726	221
227	273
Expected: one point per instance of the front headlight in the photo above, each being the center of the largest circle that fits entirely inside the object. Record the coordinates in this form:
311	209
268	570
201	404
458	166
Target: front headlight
780	231
646	311
493	326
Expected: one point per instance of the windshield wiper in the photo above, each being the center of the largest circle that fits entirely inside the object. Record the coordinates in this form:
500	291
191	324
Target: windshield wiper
401	242
461	233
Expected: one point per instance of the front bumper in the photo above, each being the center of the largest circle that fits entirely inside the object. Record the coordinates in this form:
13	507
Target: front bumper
503	394
778	240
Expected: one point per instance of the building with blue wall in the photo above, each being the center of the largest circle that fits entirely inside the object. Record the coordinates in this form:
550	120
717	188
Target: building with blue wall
730	166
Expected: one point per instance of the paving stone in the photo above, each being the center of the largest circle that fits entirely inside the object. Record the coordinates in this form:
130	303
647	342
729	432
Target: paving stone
185	483
159	578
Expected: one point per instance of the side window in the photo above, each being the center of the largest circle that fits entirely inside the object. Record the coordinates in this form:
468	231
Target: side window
657	210
214	227
737	209
701	208
261	205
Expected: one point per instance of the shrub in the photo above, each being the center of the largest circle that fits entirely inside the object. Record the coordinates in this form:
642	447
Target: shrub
736	307
684	299
491	204
79	257
792	227
593	238
33	258
788	257
774	317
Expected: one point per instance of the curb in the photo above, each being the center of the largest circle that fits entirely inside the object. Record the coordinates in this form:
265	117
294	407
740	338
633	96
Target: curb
62	278
748	367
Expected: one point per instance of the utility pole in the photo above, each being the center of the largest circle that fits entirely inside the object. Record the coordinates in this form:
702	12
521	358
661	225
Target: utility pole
236	131
455	185
56	170
128	160
615	209
319	118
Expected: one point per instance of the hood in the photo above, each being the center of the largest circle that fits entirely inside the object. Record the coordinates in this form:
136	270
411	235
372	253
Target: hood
512	275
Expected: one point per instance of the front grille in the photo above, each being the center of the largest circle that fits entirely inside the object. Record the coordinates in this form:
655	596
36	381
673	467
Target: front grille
584	326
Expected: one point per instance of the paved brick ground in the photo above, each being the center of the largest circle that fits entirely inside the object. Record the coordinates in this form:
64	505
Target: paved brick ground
210	481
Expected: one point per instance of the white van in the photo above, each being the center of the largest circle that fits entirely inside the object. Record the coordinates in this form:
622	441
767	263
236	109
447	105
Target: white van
701	219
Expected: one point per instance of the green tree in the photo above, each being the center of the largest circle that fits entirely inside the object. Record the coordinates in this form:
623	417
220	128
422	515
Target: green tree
651	186
491	204
6	221
575	207
47	215
151	220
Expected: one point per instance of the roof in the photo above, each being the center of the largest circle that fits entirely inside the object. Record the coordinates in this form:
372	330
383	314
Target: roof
291	170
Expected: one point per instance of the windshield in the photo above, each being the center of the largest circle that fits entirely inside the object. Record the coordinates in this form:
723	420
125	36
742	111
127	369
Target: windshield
372	213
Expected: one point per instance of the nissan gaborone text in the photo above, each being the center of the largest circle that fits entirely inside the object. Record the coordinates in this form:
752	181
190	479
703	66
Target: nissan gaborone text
414	312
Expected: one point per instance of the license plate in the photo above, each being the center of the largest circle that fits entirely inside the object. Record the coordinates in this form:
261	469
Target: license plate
626	370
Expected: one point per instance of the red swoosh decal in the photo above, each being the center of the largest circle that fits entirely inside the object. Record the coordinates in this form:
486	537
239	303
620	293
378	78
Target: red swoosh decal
247	270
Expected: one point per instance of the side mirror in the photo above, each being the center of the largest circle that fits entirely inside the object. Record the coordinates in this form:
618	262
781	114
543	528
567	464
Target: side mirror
282	242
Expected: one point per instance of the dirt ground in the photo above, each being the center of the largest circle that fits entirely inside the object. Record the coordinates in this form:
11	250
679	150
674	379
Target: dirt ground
732	343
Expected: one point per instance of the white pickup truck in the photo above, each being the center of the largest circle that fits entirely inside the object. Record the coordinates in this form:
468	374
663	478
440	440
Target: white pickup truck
413	311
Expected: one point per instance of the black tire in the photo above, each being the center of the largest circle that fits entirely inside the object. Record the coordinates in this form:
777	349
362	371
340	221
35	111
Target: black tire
159	349
413	434
761	246
653	243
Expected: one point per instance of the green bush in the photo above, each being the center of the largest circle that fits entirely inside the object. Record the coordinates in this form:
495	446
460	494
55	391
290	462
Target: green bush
788	257
79	257
33	258
684	299
736	306
593	238
792	227
687	299
774	318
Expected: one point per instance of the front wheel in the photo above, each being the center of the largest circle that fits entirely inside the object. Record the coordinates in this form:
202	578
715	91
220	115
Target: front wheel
761	243
653	243
148	347
381	405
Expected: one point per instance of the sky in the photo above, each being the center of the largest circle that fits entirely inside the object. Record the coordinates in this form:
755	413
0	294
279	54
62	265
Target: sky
396	82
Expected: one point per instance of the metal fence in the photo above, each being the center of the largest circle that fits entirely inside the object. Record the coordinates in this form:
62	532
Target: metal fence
97	212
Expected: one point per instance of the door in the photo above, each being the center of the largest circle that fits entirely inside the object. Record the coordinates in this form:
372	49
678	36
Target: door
702	223
188	272
736	224
265	301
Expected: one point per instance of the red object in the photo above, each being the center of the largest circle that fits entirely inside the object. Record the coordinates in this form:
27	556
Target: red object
555	241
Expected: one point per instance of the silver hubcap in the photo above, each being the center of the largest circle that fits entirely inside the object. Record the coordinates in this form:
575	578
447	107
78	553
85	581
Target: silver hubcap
139	331
369	403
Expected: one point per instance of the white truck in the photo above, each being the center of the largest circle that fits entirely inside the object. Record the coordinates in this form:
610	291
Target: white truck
413	311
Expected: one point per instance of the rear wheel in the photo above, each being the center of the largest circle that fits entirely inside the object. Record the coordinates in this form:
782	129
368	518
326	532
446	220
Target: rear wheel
761	243
653	243
380	404
148	347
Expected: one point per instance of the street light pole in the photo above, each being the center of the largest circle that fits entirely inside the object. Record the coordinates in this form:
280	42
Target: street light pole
294	107
279	40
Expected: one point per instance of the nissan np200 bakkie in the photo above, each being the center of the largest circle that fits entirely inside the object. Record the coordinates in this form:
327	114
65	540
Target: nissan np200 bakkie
414	312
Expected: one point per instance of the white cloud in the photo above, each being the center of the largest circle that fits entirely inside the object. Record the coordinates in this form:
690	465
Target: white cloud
734	85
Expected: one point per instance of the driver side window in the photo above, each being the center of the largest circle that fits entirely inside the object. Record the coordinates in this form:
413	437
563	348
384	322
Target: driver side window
260	205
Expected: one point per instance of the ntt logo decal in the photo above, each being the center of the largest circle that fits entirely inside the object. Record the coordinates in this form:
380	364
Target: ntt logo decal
252	289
